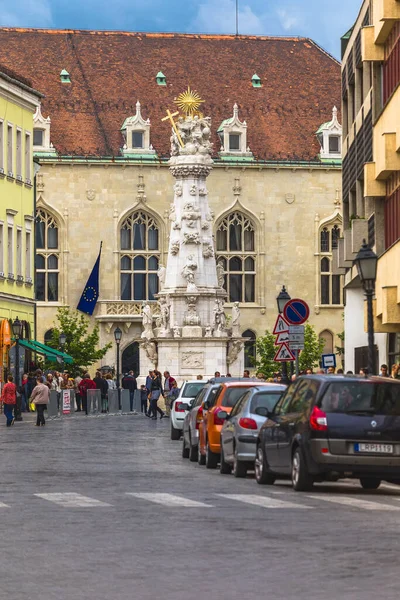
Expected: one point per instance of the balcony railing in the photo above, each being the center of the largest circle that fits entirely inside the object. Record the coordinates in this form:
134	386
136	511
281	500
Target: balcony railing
131	309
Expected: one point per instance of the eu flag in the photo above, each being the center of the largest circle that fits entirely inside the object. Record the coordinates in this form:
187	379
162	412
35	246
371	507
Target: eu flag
90	294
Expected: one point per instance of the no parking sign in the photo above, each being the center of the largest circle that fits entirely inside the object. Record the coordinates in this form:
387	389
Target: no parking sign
296	311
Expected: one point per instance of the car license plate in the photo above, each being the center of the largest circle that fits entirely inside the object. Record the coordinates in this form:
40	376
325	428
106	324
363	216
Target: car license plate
374	448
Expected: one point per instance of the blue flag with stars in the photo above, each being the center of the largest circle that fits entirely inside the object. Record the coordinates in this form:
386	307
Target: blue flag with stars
90	294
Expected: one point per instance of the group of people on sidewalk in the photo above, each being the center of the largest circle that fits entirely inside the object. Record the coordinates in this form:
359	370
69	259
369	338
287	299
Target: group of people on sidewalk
39	397
154	388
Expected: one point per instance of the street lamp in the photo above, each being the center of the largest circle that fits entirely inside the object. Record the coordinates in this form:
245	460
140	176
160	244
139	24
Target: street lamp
366	262
117	337
17	333
281	300
62	338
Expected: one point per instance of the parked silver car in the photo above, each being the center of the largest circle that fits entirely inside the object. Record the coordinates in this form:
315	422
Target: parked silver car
240	431
190	437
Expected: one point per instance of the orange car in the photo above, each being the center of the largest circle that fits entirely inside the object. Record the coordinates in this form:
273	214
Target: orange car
210	427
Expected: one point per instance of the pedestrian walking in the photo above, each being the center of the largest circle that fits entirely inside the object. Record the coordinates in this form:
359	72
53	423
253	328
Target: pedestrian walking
129	383
40	398
143	399
9	399
78	397
102	385
24	391
168	383
85	385
155	393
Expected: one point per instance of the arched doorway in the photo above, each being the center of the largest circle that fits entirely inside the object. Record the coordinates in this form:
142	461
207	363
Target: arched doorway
249	349
130	359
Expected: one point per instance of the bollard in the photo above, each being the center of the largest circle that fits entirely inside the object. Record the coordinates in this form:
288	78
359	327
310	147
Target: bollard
125	401
136	401
113	407
93	402
52	407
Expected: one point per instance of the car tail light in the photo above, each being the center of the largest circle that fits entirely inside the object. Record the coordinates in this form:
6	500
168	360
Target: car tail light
247	423
217	420
318	420
177	407
199	417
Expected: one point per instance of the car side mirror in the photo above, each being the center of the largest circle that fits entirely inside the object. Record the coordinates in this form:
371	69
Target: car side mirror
262	411
222	414
206	405
271	415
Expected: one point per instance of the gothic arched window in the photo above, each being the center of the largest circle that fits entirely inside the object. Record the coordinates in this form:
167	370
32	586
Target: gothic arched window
330	284
139	258
236	251
47	257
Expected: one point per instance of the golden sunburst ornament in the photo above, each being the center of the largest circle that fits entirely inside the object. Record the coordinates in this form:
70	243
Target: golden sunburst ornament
188	102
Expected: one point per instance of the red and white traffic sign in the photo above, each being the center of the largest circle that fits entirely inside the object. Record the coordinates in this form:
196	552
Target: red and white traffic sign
296	312
284	354
282	338
280	325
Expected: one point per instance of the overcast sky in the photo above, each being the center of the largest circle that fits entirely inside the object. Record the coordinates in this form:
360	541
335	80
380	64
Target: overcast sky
322	20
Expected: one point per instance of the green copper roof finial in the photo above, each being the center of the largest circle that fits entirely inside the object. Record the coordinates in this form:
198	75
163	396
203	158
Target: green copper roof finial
64	76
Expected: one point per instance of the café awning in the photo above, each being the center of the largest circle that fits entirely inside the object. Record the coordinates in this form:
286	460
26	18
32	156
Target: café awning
50	353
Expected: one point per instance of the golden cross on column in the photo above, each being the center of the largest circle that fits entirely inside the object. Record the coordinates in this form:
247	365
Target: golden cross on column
170	117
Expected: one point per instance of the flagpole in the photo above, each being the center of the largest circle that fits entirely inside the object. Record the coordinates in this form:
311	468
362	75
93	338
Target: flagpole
237	17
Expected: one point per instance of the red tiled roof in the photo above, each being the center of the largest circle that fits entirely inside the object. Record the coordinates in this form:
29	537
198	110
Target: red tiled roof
110	71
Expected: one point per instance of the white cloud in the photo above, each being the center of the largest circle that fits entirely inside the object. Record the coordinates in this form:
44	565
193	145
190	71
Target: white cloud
287	20
220	17
25	13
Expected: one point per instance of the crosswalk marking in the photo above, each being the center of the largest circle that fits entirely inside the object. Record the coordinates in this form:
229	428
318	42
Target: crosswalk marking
355	502
263	501
72	500
170	500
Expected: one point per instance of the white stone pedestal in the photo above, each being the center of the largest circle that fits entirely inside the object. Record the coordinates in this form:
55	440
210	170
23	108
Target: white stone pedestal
187	358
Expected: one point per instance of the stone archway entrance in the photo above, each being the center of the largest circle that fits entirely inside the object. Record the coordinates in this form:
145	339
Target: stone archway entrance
130	359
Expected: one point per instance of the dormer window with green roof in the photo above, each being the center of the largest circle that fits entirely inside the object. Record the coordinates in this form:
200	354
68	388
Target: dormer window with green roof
64	76
256	81
161	79
330	138
136	132
233	135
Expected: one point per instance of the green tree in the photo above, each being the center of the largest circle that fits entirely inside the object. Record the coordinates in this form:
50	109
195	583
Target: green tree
266	351
310	357
81	344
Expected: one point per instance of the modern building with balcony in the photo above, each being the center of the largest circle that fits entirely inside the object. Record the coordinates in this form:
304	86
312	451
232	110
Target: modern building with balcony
371	176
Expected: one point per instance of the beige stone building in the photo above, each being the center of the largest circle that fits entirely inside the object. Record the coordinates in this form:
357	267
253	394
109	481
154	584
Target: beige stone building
274	190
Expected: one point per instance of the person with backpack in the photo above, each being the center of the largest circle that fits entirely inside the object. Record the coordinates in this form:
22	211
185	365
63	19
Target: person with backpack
155	393
129	383
85	385
9	399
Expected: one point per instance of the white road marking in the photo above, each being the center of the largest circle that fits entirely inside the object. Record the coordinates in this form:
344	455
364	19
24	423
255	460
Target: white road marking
2	505
354	502
72	500
170	500
263	501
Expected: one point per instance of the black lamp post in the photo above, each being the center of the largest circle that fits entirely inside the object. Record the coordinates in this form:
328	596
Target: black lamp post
62	340
281	301
117	337
366	262
17	333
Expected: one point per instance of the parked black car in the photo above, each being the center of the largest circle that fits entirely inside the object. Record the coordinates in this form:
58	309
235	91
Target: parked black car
326	427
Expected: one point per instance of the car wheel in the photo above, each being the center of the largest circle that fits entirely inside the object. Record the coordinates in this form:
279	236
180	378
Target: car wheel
193	451
201	459
261	469
211	458
239	467
224	467
175	433
301	479
370	483
185	451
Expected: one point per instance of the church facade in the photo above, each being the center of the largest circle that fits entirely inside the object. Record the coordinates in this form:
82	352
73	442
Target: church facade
274	190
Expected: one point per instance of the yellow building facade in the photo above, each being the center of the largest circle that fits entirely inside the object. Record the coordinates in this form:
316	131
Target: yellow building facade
18	103
371	182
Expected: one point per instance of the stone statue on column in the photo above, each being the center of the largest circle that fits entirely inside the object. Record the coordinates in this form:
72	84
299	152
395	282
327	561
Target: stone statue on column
147	321
235	320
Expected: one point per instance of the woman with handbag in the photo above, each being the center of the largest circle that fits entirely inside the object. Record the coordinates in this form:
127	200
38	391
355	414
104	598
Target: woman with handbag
9	398
40	398
155	393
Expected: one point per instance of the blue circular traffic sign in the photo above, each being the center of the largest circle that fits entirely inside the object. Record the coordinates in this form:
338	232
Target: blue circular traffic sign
296	311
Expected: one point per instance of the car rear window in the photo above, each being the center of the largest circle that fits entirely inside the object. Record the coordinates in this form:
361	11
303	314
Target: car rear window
232	395
192	389
265	399
362	397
